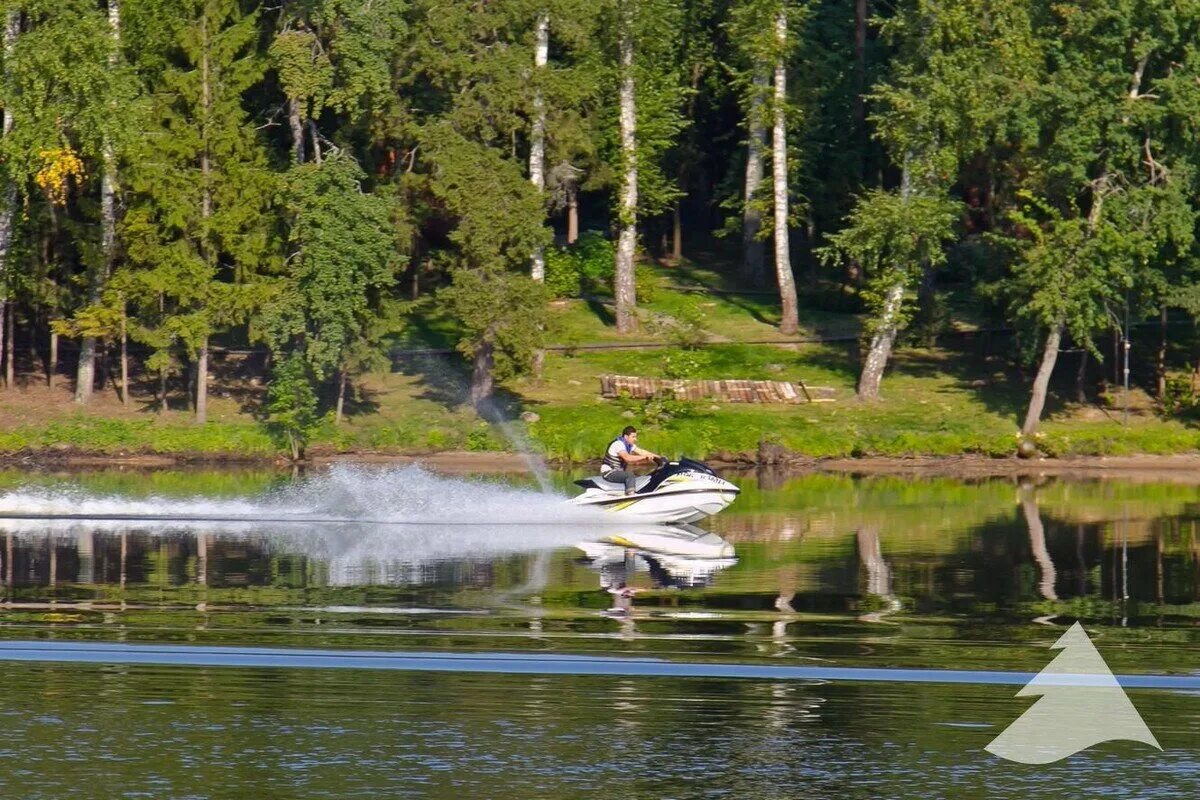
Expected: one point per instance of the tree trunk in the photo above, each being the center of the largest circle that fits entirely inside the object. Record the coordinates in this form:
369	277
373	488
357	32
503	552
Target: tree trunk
205	212
537	135
624	289
1041	383
10	372
162	391
482	383
202	383
572	213
1081	378
888	326
52	368
1161	361
779	171
124	359
314	137
756	146
881	344
677	235
296	123
341	397
11	29
85	376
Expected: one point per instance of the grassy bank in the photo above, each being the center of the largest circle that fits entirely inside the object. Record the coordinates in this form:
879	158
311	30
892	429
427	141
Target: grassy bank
964	396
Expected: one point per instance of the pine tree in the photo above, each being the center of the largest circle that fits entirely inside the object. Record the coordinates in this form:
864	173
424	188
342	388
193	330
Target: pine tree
197	234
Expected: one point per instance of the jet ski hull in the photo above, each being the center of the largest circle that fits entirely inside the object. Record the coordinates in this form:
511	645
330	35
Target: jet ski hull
679	492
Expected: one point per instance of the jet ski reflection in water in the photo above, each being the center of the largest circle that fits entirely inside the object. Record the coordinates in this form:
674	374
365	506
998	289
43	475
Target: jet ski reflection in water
675	556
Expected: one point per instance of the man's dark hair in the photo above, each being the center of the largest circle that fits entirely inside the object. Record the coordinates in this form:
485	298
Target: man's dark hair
628	430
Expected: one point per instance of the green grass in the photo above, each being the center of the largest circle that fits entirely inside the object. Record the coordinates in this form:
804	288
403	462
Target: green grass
104	435
935	401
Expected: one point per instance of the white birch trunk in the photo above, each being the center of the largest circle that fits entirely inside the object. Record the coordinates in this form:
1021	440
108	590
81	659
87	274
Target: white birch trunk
341	397
790	322
888	326
202	383
623	279
85	376
9	199
52	369
1041	383
124	356
881	344
537	136
756	146
296	123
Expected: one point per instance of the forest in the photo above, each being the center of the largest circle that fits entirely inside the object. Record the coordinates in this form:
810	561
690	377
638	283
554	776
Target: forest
182	177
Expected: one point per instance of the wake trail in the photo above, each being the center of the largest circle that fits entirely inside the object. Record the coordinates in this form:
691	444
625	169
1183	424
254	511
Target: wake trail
343	495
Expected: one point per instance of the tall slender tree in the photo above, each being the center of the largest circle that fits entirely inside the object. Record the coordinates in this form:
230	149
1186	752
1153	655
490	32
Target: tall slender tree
85	376
8	195
790	318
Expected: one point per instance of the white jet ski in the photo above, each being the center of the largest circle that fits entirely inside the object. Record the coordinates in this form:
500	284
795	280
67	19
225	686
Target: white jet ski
678	491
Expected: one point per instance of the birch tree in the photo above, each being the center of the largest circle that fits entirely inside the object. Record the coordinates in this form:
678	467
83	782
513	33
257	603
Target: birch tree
8	198
85	376
648	120
765	35
960	83
1106	212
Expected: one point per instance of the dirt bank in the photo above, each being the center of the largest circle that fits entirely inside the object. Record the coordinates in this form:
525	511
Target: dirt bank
1162	468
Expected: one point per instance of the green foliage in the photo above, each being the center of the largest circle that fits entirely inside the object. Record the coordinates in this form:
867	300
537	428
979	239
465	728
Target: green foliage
504	313
292	403
582	266
683	328
683	363
892	237
197	233
344	257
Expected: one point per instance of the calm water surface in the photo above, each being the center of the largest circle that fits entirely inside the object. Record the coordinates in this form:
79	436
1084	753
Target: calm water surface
225	634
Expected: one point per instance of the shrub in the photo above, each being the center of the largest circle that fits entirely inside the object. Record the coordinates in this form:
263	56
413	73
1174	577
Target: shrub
579	267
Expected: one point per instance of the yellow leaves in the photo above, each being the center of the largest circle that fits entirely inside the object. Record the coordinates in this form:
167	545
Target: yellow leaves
58	164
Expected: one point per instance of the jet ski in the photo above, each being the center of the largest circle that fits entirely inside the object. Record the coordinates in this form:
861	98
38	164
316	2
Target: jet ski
678	491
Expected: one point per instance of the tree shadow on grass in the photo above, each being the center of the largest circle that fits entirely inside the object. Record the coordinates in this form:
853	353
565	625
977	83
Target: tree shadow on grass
607	316
446	380
733	294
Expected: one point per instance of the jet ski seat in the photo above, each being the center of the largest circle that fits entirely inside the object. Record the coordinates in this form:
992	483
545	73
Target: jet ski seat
616	487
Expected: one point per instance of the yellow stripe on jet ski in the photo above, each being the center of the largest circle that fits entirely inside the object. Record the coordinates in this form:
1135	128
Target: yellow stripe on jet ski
624	505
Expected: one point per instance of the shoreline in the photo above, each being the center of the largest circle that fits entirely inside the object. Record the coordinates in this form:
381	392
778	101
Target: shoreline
1170	468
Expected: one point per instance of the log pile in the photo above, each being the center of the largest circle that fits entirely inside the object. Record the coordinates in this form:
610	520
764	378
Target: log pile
726	391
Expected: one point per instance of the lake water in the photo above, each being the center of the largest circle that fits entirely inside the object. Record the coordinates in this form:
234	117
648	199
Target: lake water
390	633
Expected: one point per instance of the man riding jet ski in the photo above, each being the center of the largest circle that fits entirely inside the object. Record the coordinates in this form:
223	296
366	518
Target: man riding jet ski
678	491
622	454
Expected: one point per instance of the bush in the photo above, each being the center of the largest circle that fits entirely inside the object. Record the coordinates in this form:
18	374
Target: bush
581	266
645	283
683	364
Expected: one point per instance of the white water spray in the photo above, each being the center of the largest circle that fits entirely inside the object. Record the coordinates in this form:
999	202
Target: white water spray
344	493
